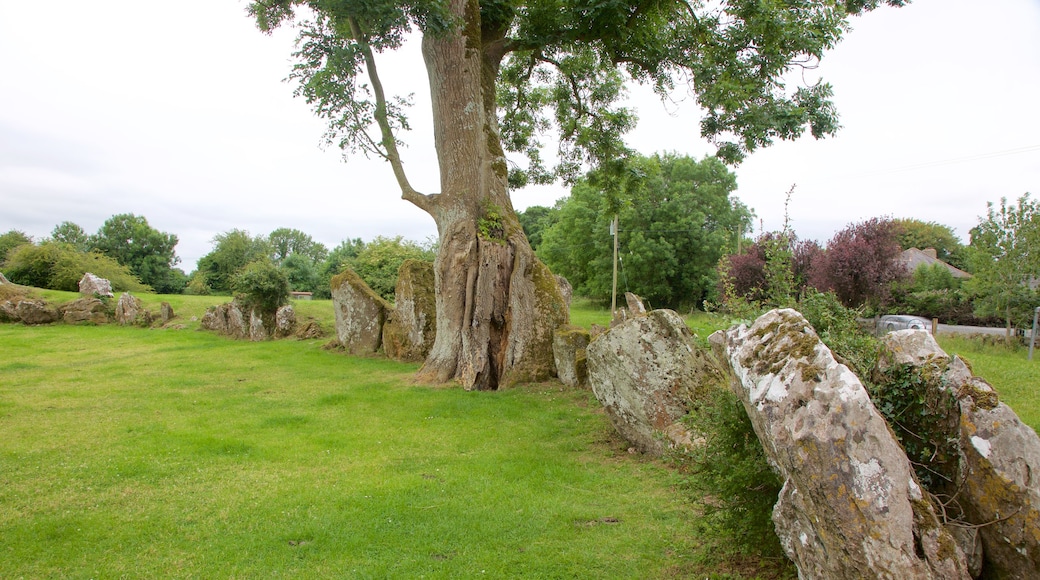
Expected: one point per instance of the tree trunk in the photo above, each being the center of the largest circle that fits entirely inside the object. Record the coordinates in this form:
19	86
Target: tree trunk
497	305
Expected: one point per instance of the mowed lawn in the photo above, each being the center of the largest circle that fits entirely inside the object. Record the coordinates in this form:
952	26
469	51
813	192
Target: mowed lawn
127	452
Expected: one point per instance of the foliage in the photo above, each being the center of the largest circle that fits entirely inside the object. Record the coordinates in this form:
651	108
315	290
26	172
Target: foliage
535	220
914	233
286	242
148	252
731	468
338	259
379	261
491	225
676	216
72	234
838	327
261	286
1005	255
231	252
933	292
10	241
920	408
301	272
859	263
60	266
197	286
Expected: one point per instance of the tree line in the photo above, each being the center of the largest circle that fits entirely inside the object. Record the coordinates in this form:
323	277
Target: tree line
134	256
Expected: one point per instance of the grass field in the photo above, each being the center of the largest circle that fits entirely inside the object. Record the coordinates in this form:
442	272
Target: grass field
158	453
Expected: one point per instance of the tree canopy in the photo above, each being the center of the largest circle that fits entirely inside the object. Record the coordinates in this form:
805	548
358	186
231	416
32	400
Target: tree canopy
131	241
232	251
1005	255
676	220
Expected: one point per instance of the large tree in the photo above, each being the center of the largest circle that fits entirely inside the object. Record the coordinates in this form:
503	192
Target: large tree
148	252
676	220
504	72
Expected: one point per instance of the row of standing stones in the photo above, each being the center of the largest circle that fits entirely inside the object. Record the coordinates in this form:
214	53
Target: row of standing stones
94	306
851	505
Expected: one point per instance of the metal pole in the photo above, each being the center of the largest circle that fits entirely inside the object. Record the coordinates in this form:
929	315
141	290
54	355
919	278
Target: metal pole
1032	337
613	288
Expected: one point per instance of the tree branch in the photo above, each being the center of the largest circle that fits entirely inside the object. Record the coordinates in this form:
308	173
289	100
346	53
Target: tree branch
408	193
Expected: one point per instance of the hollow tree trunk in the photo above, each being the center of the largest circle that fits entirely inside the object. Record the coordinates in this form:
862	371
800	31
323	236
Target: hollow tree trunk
497	304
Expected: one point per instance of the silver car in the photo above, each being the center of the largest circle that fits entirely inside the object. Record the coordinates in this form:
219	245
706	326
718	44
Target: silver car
891	322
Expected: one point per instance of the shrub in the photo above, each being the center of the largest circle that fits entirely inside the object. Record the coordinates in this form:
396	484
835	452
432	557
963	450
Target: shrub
197	285
261	286
60	266
380	260
730	469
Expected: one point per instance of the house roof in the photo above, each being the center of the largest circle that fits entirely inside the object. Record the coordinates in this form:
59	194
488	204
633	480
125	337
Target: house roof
915	258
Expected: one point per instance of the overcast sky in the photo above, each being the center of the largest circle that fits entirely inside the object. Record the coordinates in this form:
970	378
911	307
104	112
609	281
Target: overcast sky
177	112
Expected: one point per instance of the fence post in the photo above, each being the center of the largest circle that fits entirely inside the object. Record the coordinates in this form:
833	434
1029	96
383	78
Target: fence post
1032	336
935	326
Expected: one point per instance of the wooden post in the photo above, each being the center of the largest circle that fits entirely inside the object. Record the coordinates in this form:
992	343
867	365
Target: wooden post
935	325
613	286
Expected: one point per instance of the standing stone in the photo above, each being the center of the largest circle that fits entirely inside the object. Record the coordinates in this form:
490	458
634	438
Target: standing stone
996	457
284	321
3	279
850	506
91	285
129	309
257	330
215	319
569	351
166	312
237	325
646	372
566	290
411	325
635	305
85	309
360	314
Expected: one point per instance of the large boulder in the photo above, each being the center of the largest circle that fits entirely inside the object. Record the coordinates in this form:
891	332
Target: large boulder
566	289
33	312
850	506
411	325
360	314
570	346
85	309
91	285
647	372
130	310
3	279
987	459
529	353
166	312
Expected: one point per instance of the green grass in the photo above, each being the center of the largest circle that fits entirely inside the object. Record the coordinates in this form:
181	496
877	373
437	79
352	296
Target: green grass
157	453
1015	378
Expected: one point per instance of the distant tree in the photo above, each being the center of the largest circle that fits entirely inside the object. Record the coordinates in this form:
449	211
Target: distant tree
379	261
286	242
1005	255
231	252
301	272
677	219
11	240
60	266
914	233
860	263
536	220
148	252
69	233
337	260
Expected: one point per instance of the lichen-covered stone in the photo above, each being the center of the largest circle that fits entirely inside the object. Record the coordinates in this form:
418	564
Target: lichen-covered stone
3	279
569	352
257	328
995	482
646	373
411	325
85	309
635	305
91	285
360	314
285	321
226	319
850	506
529	353
566	290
